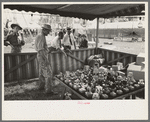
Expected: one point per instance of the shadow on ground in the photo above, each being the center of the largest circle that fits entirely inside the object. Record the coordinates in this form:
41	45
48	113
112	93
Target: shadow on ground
28	91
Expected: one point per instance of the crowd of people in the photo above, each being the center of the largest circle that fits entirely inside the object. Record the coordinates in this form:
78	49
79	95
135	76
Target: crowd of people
64	39
63	42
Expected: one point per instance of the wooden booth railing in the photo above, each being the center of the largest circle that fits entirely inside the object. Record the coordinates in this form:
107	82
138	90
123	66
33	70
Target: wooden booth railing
112	57
23	66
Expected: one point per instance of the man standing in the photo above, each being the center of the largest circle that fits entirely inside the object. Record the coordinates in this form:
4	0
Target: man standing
84	42
13	40
68	39
45	70
56	43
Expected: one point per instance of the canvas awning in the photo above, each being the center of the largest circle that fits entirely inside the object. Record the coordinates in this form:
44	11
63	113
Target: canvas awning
84	11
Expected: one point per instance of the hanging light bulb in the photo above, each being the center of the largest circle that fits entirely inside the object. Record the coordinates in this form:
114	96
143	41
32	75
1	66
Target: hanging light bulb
31	18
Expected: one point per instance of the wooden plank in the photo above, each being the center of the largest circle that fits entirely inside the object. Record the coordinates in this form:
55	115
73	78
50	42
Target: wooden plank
14	54
80	96
74	63
17	66
84	55
64	63
33	68
77	62
21	82
131	93
118	59
24	76
14	63
134	55
9	65
80	57
58	63
75	58
36	67
113	58
19	71
107	56
69	63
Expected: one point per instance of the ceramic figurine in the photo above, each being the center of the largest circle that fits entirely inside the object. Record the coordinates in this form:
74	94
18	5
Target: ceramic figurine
131	77
86	67
82	76
101	76
67	96
95	96
119	78
99	89
82	90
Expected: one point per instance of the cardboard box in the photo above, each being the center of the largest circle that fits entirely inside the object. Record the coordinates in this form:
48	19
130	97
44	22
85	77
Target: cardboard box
115	67
140	40
137	70
143	65
120	64
140	58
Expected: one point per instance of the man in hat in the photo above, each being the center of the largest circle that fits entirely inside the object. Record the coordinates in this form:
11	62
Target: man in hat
68	39
45	70
13	40
84	42
56	43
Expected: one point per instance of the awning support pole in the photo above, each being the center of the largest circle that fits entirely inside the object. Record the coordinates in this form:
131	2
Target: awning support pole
97	33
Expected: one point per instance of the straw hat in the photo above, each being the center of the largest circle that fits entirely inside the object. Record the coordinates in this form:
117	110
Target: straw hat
47	26
14	25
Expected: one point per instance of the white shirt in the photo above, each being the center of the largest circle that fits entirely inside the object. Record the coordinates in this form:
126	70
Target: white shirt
40	43
56	42
66	40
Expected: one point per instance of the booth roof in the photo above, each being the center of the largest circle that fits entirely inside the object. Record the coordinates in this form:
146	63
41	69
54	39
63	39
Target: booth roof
84	11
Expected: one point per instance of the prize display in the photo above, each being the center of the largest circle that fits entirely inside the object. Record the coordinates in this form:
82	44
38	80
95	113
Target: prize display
100	82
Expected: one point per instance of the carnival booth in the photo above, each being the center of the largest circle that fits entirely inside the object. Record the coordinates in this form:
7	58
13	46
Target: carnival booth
76	72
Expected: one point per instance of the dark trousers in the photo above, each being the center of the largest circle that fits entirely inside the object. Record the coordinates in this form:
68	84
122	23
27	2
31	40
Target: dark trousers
67	47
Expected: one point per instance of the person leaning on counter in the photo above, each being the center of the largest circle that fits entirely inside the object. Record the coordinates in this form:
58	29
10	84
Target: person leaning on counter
56	43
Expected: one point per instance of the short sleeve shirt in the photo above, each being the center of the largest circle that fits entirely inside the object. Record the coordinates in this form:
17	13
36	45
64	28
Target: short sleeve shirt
56	42
40	43
66	40
13	39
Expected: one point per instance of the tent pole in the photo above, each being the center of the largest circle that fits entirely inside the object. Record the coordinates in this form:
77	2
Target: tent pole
97	29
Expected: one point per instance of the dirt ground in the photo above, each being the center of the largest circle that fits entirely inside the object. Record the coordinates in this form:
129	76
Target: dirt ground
27	91
123	46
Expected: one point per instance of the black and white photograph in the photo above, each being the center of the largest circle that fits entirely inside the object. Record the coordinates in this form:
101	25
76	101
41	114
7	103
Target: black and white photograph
74	55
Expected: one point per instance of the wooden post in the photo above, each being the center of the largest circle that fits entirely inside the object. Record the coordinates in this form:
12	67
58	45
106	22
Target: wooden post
97	33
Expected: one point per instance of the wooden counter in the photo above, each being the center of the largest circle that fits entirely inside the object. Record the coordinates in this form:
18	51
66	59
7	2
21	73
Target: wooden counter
124	96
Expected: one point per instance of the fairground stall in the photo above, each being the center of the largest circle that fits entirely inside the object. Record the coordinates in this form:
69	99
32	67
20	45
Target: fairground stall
23	66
